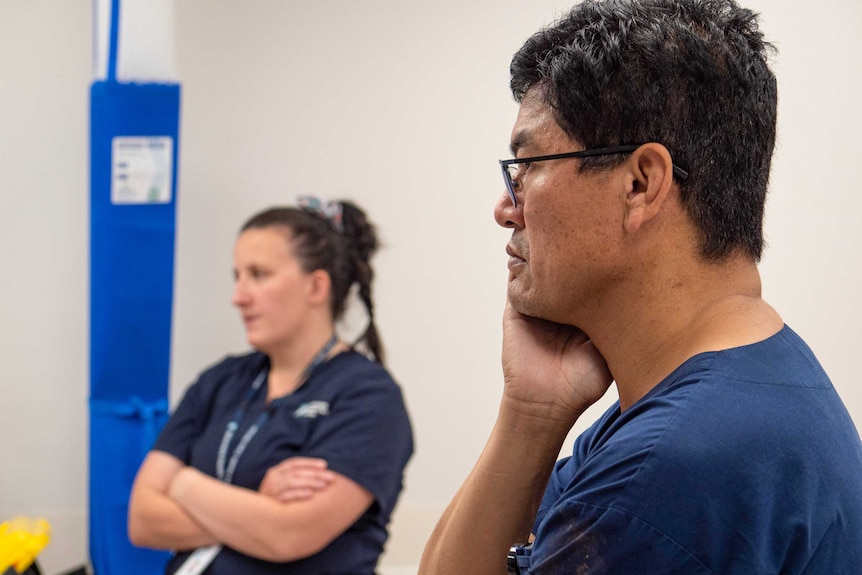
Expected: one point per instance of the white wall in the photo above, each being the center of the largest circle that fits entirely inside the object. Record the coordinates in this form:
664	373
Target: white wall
403	107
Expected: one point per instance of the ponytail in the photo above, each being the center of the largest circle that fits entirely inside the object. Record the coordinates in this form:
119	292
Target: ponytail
362	243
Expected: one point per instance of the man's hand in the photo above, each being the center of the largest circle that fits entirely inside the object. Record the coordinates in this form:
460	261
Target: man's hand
552	374
296	478
551	370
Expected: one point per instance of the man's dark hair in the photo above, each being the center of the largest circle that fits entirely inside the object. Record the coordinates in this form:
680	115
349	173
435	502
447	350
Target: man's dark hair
689	74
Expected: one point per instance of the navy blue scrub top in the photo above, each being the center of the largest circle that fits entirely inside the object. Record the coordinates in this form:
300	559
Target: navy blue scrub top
349	412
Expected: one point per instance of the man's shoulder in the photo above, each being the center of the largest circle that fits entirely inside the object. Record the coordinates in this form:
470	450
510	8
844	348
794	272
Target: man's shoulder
782	359
722	418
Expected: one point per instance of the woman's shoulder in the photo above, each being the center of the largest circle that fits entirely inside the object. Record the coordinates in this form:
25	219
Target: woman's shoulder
362	373
355	362
234	366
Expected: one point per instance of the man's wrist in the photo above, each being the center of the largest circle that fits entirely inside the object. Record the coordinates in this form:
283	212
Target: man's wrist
539	421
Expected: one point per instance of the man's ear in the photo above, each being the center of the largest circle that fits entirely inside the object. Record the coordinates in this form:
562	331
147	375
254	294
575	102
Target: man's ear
650	178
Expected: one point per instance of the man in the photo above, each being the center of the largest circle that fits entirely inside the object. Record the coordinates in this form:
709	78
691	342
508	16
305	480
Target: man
728	451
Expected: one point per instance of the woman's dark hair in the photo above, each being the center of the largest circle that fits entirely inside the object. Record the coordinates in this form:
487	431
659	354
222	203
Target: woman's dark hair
341	248
689	74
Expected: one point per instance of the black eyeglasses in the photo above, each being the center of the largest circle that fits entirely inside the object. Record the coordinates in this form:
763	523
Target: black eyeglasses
510	178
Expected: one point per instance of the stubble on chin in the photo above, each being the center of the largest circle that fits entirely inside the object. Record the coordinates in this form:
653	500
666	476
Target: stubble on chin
522	298
527	300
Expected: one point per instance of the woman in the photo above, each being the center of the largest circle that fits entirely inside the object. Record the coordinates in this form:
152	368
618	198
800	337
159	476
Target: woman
289	459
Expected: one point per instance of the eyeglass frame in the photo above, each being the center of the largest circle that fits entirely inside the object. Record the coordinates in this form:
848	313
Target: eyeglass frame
678	172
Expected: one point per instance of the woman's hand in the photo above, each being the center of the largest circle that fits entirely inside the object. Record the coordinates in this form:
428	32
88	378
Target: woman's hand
269	528
296	478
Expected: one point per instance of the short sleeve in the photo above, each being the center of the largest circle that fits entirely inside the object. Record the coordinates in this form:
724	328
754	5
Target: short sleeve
367	436
185	424
591	540
560	477
219	388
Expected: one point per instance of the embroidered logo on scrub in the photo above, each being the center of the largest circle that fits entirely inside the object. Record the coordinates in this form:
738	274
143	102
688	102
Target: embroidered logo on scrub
312	409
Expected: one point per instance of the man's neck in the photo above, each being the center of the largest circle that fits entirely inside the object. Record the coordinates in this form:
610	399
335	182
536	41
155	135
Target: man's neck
676	316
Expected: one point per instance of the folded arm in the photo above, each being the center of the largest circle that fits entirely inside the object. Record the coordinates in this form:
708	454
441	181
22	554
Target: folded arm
261	526
155	519
301	507
296	478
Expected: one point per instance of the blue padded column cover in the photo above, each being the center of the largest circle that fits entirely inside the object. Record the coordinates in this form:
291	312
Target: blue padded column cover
131	293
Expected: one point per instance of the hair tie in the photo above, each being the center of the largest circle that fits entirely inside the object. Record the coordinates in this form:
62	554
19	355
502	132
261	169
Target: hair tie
331	211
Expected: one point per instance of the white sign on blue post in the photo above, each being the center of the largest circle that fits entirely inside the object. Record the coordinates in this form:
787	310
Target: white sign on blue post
141	170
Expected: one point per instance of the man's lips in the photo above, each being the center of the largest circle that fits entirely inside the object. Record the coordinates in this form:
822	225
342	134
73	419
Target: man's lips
514	257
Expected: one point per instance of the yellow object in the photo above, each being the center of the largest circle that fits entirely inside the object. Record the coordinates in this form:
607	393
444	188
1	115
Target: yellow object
21	540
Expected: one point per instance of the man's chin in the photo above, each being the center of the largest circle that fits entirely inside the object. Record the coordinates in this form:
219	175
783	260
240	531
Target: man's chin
523	301
528	304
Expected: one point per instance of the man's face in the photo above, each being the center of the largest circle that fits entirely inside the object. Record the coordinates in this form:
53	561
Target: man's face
567	226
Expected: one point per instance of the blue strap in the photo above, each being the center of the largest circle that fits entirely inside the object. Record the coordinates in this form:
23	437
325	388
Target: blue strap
134	408
226	473
114	40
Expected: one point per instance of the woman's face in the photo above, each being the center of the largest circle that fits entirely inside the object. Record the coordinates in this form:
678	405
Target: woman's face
271	289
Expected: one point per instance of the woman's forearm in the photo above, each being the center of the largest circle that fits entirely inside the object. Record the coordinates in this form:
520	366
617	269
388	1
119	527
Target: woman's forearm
260	526
158	522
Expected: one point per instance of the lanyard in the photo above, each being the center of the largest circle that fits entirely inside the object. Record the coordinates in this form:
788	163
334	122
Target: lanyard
225	473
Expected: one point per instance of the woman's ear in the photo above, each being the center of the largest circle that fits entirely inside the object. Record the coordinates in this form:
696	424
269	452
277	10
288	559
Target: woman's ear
319	287
650	179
